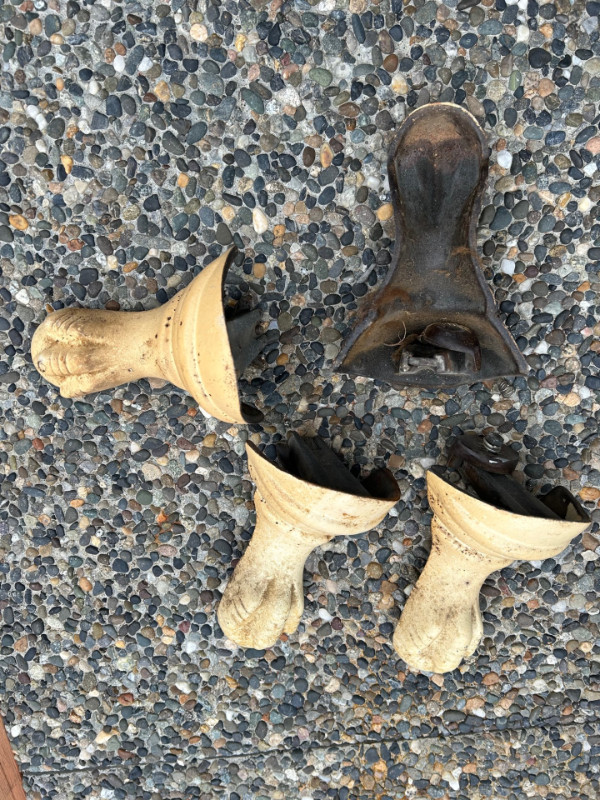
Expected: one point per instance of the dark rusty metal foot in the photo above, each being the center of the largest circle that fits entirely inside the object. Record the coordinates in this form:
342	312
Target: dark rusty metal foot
434	322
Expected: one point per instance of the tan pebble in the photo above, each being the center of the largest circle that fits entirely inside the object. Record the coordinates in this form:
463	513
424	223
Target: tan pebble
589	542
227	213
35	27
589	493
358	6
259	269
56	38
240	42
67	163
399	84
593	145
386	211
473	703
85	585
396	461
326	156
279	230
182	180
129	266
368	781
209	440
18	221
374	570
103	737
198	32
545	87
162	91
490	679
571	399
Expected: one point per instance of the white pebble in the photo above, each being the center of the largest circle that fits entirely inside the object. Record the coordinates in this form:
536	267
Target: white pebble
119	63
289	97
145	64
504	159
507	266
198	32
260	221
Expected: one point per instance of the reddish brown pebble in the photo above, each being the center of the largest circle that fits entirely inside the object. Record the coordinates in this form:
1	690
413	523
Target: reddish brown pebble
349	110
308	156
390	63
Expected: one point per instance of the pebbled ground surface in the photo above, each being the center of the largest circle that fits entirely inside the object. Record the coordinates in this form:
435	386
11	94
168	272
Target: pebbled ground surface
137	140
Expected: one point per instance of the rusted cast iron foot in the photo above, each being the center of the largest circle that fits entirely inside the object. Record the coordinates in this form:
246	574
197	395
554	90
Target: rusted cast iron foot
472	536
302	502
187	341
434	322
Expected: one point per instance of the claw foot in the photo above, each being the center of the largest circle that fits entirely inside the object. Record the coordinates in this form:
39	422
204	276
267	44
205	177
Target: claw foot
441	622
301	503
258	606
187	342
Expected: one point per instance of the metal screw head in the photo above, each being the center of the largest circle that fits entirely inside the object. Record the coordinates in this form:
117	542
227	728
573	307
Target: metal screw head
493	442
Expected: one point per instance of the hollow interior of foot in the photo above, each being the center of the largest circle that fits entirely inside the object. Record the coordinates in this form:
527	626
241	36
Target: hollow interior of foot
310	459
246	344
244	341
506	493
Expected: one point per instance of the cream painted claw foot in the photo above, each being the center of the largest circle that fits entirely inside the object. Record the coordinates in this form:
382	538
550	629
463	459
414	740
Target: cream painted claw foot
441	622
264	597
187	341
82	350
301	503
